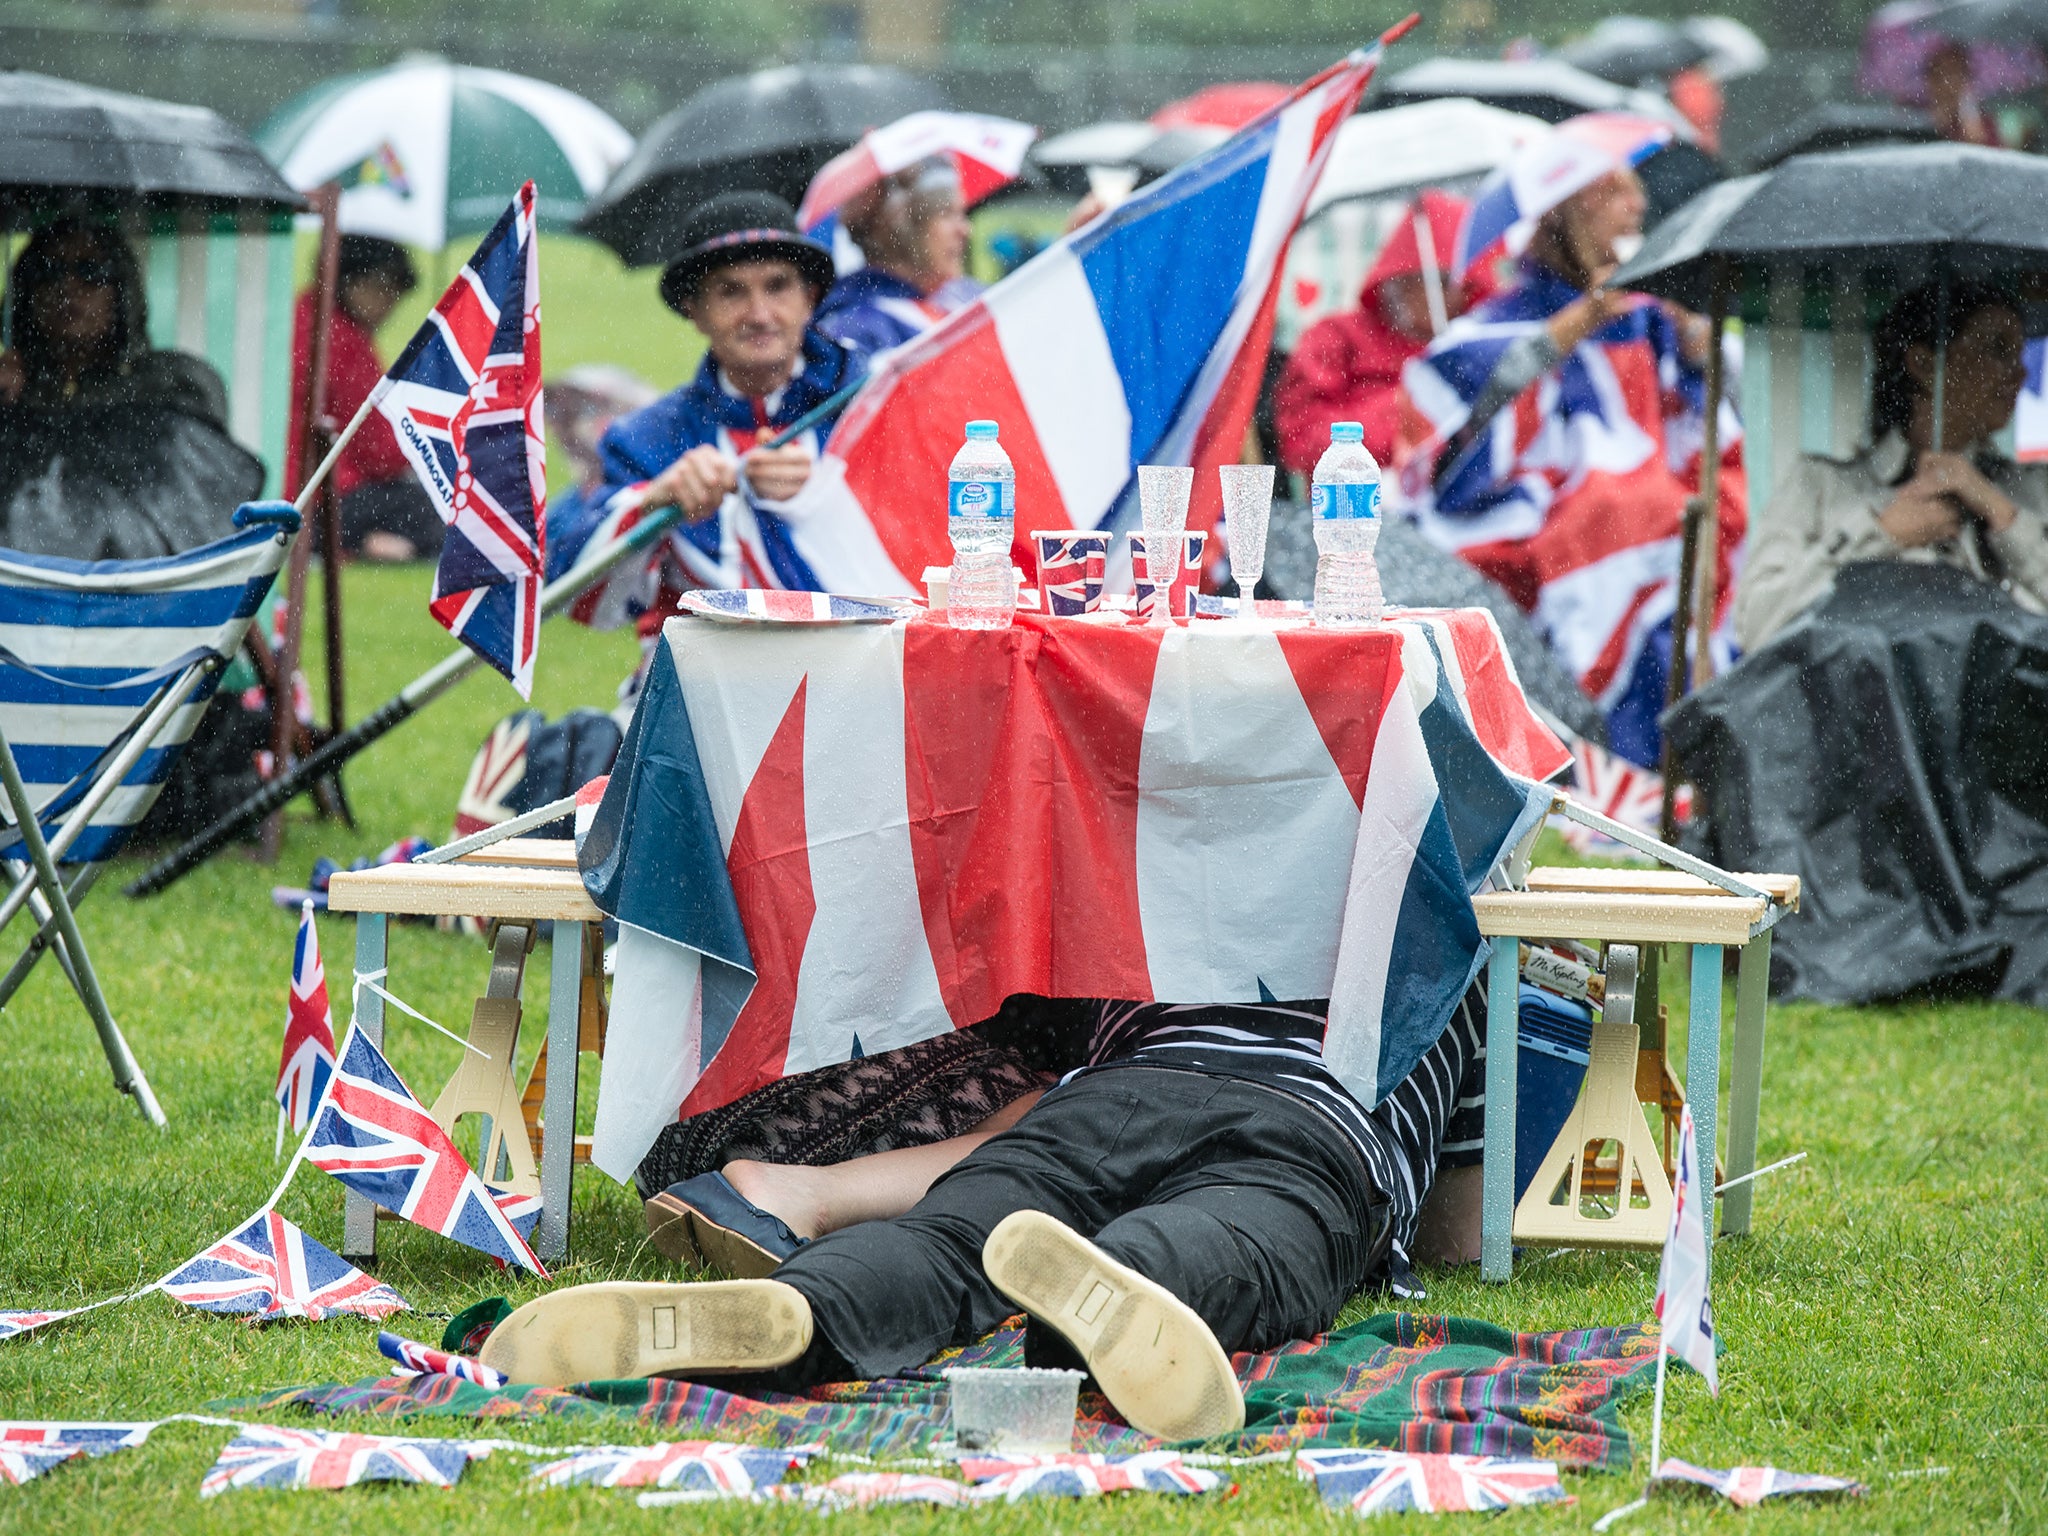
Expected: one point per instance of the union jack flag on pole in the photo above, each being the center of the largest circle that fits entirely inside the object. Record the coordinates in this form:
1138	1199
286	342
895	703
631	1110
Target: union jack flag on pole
308	1058
464	401
264	1456
271	1270
379	1140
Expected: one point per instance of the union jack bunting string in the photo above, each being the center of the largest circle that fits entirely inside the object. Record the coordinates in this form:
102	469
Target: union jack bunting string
1006	1479
1750	1486
436	1362
710	1467
308	1058
464	401
264	1456
18	1466
861	1490
1371	1482
379	1140
12	1323
271	1270
31	1447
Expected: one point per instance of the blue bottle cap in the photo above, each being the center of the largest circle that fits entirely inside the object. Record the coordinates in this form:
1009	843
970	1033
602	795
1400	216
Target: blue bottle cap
981	429
1347	432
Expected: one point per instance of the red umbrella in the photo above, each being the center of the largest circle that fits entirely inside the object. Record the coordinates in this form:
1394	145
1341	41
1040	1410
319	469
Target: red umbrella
1229	105
988	153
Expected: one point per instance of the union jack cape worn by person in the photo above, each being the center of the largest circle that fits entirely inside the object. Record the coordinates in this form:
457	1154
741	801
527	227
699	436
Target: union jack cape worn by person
308	1058
1572	496
464	401
376	1138
270	1270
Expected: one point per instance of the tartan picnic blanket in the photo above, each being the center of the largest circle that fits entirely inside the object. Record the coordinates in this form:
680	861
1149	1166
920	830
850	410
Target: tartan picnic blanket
1402	1380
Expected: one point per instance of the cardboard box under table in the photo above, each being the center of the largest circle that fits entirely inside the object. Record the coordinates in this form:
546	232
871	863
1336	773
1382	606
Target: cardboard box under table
516	884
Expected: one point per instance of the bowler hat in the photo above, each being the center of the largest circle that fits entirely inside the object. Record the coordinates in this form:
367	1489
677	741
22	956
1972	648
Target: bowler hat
742	226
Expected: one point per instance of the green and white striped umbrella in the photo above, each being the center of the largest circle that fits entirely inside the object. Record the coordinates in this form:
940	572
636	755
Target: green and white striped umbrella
427	151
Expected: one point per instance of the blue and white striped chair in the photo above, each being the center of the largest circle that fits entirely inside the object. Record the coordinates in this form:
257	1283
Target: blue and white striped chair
105	669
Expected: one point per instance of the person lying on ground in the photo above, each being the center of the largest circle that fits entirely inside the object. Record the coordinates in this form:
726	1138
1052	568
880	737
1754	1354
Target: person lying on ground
386	515
1347	367
1205	1184
1552	439
912	230
1965	505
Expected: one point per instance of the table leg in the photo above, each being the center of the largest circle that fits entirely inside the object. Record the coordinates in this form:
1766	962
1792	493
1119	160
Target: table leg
1746	1080
359	1212
558	1107
1497	1172
1703	1069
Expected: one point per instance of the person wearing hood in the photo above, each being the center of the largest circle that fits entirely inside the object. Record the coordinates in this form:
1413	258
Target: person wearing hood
1348	367
912	229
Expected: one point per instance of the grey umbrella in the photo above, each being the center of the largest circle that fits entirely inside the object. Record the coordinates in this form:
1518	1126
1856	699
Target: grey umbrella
65	145
770	131
1630	50
1547	88
1842	125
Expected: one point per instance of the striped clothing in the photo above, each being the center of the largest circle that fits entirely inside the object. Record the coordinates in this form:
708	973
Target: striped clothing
1432	1119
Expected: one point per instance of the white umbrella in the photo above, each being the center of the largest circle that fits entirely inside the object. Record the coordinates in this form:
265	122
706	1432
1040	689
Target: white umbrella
427	151
1429	144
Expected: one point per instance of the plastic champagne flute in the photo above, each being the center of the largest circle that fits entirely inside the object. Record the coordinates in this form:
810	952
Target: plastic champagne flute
1247	507
1164	491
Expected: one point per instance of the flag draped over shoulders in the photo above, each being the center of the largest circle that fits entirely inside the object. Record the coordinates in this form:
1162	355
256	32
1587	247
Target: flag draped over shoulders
1572	495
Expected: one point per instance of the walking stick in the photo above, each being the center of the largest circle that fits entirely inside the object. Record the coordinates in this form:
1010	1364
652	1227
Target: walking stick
409	700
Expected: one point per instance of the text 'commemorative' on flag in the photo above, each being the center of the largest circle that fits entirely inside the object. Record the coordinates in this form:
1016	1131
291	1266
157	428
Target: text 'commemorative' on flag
464	401
270	1270
1683	1306
1139	338
308	1057
380	1141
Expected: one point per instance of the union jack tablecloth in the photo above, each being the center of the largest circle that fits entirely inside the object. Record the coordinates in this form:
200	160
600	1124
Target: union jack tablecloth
825	843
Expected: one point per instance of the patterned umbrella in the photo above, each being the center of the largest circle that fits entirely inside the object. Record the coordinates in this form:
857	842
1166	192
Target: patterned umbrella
1550	170
427	151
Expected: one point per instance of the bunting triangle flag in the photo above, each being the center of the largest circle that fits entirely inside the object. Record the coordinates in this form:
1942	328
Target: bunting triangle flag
270	1270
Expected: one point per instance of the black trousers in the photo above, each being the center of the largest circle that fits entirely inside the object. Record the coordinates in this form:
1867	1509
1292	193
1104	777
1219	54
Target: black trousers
392	506
1245	1203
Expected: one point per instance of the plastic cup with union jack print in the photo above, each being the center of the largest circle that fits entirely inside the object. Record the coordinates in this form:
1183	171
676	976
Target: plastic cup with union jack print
1070	566
1181	588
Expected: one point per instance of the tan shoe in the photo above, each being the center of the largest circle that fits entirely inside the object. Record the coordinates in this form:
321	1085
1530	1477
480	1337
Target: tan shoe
620	1328
1149	1352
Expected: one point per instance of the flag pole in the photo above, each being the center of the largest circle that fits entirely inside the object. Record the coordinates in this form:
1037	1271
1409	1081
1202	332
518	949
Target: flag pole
312	486
1657	1414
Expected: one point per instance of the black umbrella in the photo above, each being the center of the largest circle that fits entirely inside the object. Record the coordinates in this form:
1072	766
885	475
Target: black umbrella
1630	50
1673	177
1547	88
1842	125
769	131
64	145
1992	21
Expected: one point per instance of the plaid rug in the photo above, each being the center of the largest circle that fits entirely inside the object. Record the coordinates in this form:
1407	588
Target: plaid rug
1400	1380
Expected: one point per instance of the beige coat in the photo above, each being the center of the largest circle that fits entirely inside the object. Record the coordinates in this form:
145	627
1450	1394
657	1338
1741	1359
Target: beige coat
1824	514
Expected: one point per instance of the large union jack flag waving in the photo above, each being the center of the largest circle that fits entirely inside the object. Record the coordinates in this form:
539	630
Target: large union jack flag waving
271	1270
464	401
379	1140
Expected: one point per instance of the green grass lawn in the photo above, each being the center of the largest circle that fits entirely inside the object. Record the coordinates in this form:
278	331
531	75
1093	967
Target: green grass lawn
1885	1317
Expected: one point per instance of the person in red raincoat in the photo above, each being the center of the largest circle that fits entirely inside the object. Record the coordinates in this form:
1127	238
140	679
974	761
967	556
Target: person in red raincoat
1348	367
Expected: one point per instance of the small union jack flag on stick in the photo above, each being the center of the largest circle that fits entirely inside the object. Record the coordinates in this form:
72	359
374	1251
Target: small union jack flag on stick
379	1140
308	1058
271	1270
415	1356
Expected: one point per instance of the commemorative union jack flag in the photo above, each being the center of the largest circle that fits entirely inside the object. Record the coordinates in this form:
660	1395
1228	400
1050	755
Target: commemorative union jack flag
464	400
689	1466
1750	1486
437	1362
1006	1479
379	1140
264	1456
308	1058
271	1270
1373	1482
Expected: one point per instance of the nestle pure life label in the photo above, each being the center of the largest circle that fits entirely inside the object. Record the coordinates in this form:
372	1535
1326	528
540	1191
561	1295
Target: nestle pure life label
1344	501
983	498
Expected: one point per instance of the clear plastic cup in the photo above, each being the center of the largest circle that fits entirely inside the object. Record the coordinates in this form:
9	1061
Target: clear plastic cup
1022	1409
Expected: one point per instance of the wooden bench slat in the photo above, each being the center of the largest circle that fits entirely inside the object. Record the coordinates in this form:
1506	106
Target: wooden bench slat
1625	916
464	890
1783	889
531	852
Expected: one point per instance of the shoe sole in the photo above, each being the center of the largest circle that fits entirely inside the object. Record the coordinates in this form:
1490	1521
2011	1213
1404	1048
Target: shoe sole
622	1329
1149	1352
685	1234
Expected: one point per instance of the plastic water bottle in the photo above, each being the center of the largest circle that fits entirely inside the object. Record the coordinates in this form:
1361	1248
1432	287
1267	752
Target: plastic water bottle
1345	502
981	512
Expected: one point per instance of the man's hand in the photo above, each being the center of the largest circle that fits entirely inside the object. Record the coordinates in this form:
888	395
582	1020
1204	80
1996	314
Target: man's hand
697	483
13	377
1956	476
777	474
1921	513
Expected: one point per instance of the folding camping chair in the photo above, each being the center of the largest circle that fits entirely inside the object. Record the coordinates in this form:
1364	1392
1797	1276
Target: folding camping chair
105	669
